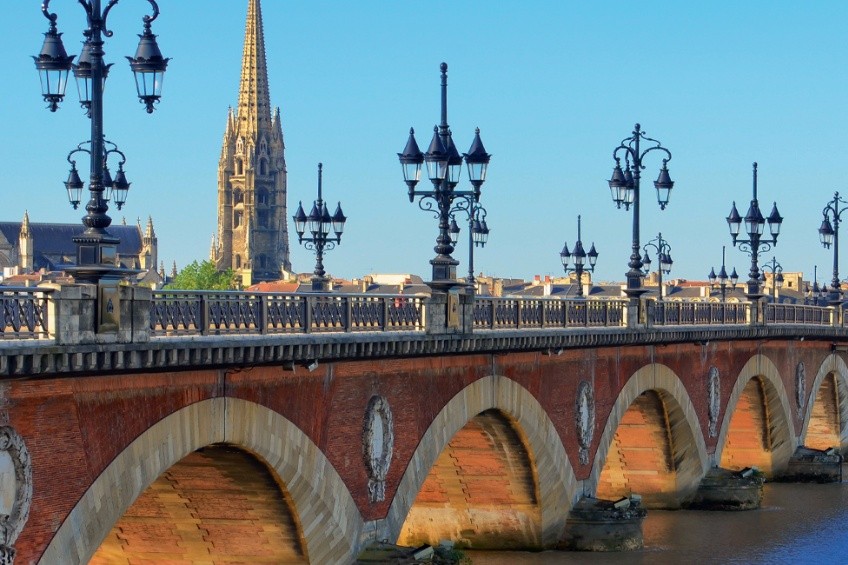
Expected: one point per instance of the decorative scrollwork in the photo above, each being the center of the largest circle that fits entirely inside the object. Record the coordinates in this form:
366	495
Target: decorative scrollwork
585	419
800	387
15	473
714	399
425	204
377	446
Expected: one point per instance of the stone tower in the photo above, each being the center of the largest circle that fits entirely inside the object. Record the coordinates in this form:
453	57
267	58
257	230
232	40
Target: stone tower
253	235
25	245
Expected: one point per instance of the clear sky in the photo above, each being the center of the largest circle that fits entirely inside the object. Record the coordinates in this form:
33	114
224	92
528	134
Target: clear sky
553	87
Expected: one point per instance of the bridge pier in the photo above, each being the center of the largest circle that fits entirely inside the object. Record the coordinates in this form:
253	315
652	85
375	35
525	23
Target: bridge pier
723	489
809	465
605	525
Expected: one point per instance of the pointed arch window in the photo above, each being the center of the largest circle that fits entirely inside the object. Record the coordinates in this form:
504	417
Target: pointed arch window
238	261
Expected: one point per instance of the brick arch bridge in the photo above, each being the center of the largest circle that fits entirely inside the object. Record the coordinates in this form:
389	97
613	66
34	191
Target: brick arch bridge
493	434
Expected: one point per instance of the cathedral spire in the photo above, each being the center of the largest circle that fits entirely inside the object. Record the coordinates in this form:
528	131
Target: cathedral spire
254	105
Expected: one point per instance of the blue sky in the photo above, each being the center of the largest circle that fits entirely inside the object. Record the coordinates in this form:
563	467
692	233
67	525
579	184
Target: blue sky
553	86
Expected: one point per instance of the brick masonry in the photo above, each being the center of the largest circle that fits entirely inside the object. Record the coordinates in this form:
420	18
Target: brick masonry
87	432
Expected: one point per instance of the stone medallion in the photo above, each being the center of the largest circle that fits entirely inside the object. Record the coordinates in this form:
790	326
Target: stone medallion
585	419
714	398
800	387
377	445
15	490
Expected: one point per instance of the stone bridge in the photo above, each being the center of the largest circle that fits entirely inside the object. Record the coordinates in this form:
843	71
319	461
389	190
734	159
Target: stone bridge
269	428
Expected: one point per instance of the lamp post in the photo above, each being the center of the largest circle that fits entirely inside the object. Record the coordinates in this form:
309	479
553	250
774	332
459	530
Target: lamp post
815	294
776	271
444	168
478	233
624	186
578	259
756	243
663	250
319	223
829	235
723	278
96	248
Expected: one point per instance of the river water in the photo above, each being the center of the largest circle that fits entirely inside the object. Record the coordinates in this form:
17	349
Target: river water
798	523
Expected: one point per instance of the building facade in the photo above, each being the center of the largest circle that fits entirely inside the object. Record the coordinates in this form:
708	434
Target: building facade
252	236
27	247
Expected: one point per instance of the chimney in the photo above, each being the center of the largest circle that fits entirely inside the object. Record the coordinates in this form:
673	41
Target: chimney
537	280
497	288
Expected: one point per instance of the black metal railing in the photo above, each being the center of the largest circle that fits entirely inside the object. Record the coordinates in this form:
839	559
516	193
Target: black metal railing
218	313
674	313
175	313
24	313
510	313
798	314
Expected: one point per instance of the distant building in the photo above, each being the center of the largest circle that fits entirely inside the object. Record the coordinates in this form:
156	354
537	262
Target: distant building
252	237
28	247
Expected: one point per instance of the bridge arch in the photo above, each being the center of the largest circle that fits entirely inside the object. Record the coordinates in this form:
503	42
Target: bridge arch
557	483
832	374
331	522
780	424
688	449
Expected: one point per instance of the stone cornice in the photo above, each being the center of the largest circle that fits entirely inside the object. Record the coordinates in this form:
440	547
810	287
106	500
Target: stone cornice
23	359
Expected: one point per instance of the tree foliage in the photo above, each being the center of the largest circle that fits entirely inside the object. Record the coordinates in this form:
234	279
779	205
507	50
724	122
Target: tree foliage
202	276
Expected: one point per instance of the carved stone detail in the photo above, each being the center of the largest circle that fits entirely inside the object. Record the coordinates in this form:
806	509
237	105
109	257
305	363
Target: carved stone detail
714	399
800	387
378	440
585	419
17	475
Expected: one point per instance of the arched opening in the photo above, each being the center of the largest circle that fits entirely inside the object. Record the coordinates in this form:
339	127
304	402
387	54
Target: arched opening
481	492
217	504
653	453
756	430
826	422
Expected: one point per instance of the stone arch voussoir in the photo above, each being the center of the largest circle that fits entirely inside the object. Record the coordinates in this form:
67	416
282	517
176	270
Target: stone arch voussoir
557	482
833	363
662	379
784	439
330	520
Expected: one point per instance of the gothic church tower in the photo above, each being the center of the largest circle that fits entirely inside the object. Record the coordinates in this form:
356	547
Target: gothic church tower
253	235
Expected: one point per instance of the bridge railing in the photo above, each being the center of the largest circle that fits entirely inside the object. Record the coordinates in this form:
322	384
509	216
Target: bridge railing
219	313
676	313
799	314
506	313
24	313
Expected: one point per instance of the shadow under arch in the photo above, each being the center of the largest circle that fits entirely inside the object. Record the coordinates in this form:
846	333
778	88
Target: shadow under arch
329	517
833	363
782	428
557	482
691	449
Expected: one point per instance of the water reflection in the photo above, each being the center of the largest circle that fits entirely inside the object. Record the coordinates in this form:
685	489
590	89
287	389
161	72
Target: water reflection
798	523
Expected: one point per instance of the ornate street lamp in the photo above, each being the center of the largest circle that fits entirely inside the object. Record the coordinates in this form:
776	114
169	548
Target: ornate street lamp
478	233
319	223
776	271
96	248
624	187
578	258
723	278
444	167
755	243
663	250
829	235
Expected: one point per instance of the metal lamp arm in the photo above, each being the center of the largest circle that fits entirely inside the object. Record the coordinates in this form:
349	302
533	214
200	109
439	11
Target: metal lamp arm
658	147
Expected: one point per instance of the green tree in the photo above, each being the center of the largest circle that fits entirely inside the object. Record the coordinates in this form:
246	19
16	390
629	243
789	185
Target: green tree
202	276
